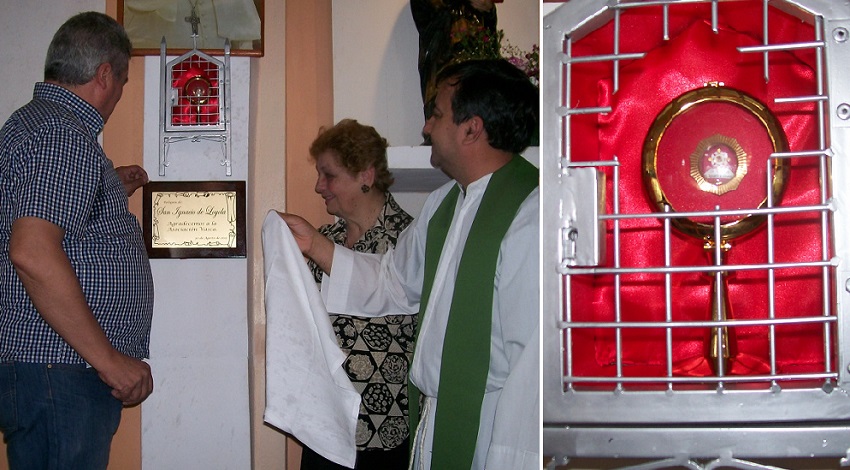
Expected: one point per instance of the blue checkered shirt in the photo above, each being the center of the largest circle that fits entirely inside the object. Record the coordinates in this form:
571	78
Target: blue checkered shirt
52	167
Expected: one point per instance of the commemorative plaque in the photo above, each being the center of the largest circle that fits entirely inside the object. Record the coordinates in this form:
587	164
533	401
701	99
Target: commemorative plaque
194	219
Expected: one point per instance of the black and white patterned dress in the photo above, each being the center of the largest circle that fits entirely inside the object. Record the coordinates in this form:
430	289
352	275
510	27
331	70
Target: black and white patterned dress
378	350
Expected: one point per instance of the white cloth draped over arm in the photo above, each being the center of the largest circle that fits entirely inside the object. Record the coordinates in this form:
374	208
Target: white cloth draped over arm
308	394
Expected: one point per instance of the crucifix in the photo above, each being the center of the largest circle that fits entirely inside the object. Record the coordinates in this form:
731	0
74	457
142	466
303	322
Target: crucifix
194	20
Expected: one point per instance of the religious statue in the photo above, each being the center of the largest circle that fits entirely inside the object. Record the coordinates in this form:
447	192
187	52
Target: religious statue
452	31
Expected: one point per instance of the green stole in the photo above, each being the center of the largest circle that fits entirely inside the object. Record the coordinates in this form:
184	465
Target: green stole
466	350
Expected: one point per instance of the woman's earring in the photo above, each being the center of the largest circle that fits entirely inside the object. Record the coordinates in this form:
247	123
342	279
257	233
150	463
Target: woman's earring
365	188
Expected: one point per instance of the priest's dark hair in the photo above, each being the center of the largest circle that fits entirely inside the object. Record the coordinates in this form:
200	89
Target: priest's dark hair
501	95
84	42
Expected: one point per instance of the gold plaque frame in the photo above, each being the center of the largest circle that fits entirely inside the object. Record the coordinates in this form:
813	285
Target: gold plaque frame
194	219
687	102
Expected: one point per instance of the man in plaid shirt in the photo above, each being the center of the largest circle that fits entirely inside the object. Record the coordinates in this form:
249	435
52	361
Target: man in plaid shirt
76	291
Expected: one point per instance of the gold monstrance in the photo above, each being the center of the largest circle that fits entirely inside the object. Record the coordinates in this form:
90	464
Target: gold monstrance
710	149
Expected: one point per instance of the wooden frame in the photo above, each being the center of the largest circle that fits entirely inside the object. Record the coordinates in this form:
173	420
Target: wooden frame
147	28
194	219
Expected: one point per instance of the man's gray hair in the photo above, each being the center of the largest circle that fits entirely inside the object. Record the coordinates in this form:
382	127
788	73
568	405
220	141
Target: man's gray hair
84	42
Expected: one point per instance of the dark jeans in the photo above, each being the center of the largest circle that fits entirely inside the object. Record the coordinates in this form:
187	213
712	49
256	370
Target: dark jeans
56	416
393	459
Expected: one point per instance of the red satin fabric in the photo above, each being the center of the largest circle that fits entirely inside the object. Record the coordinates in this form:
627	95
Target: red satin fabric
694	56
185	112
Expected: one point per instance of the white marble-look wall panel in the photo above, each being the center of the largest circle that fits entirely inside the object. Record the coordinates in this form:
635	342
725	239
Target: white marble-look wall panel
198	416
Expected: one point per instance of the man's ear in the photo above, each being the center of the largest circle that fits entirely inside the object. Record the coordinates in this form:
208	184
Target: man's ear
103	74
473	129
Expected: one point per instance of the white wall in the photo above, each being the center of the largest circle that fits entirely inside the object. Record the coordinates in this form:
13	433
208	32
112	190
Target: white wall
376	48
26	29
